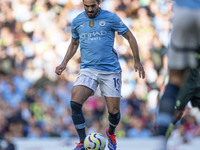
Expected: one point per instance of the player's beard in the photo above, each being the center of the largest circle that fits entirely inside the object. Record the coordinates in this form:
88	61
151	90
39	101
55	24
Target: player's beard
93	14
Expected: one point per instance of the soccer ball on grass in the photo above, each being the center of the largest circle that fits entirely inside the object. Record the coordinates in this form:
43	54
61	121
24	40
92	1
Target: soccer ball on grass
94	141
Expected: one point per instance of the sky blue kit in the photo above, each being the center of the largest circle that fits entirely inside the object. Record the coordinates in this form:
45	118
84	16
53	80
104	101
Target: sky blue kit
96	37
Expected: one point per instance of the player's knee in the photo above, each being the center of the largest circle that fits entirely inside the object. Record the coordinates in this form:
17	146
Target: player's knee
114	108
114	118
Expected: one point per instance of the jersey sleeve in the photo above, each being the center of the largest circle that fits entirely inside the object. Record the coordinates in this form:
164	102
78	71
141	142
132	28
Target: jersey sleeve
75	35
118	25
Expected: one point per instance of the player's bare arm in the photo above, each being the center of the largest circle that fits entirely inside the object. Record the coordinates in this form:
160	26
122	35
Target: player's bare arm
134	47
69	54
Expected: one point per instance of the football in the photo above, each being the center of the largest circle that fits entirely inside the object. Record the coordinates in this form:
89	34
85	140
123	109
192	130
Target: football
95	141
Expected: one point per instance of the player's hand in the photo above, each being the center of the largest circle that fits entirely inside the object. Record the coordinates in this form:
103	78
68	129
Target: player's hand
139	68
60	69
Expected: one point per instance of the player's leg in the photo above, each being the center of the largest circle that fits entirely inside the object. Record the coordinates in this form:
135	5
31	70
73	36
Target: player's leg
110	86
188	92
79	95
113	104
168	101
83	88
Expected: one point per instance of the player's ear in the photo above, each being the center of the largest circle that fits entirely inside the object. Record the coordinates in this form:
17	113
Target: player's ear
99	1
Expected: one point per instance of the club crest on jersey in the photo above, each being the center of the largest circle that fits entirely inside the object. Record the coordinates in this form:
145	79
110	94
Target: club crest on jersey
102	23
91	24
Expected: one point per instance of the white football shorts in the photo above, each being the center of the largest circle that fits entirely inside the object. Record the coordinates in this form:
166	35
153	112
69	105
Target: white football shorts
109	82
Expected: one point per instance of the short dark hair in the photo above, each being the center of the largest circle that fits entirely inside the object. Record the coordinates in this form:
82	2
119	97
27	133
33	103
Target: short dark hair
98	1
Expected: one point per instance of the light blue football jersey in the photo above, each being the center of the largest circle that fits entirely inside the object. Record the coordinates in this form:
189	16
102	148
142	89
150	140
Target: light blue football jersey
192	4
96	37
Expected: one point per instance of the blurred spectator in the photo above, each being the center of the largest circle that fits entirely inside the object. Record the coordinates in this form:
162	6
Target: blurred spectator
7	144
137	128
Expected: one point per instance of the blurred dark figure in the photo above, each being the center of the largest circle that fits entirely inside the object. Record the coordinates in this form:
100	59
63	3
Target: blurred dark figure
7	143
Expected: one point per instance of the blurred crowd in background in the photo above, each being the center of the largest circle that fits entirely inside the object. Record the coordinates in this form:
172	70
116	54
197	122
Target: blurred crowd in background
34	101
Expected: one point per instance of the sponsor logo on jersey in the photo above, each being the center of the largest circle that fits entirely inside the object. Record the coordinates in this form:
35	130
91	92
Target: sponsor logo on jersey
102	23
96	35
93	34
91	24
